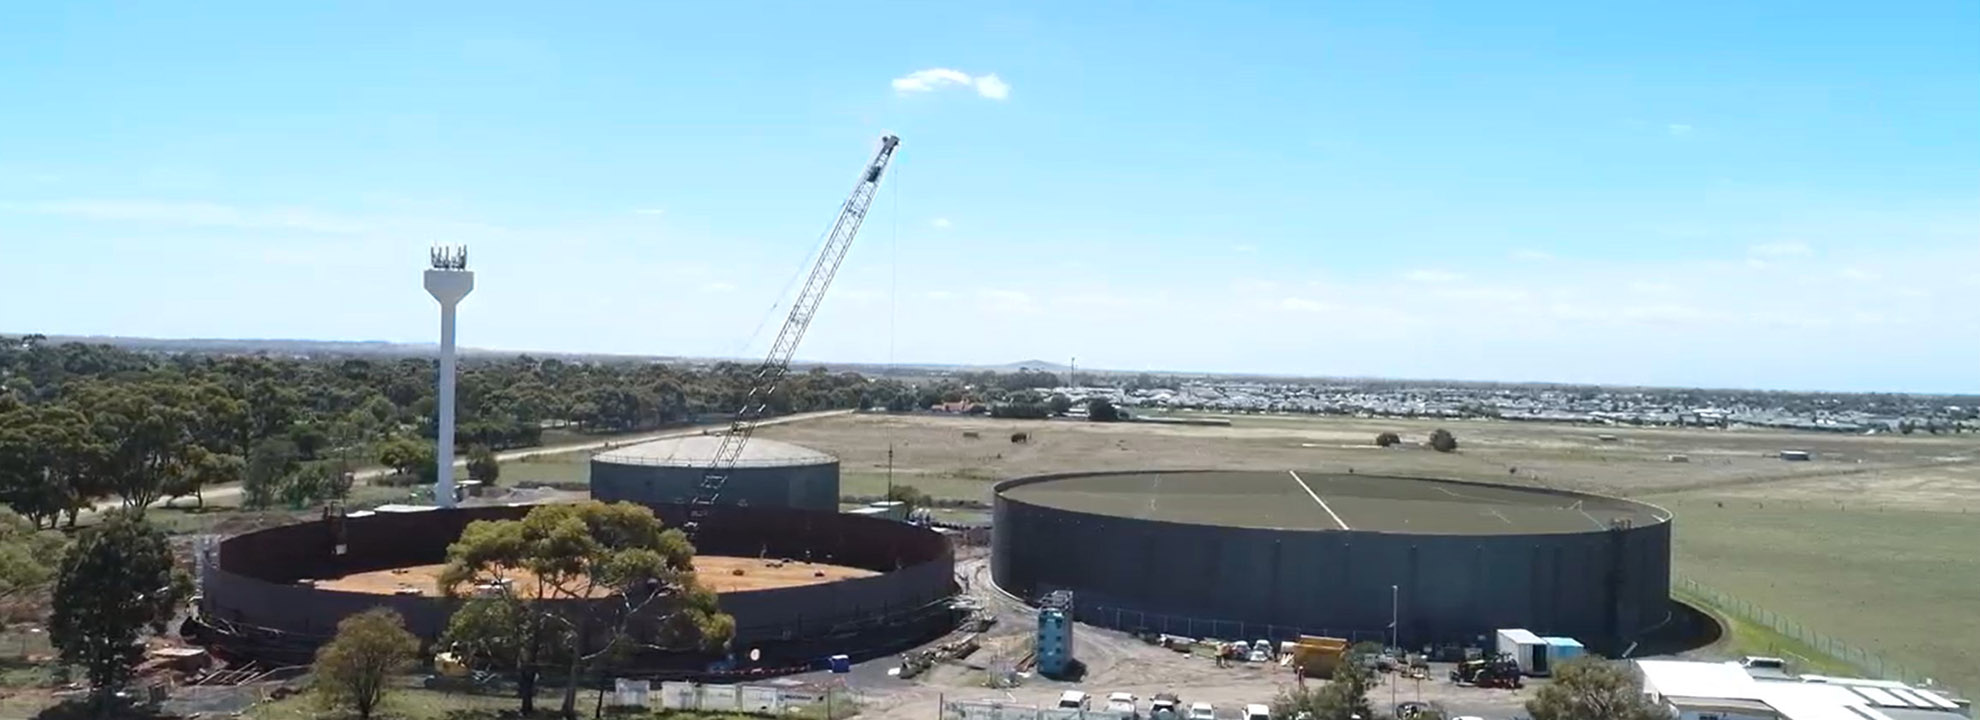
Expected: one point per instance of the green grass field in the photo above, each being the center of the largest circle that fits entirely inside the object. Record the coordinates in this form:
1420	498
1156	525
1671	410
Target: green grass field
1901	583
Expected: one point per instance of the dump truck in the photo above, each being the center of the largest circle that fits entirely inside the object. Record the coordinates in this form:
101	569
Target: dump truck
1315	656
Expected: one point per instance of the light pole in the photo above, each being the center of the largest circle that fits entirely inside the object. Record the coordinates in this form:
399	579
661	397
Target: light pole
1395	596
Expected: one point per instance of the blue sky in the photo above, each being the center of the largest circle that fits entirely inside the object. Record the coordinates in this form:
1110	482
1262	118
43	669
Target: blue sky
1760	194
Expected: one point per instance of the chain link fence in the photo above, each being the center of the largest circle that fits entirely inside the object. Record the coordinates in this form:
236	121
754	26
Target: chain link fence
1829	647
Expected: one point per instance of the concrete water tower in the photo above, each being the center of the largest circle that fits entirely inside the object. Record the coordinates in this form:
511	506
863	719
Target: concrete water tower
448	281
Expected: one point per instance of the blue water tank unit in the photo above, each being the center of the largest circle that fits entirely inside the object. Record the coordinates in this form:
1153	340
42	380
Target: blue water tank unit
1560	650
1055	642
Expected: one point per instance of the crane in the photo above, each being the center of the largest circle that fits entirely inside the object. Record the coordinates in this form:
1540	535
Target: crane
777	364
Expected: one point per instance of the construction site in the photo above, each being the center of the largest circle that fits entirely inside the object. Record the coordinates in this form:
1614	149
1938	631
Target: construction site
1191	594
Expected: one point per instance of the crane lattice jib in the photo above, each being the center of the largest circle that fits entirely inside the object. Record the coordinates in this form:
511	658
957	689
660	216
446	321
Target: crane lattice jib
777	364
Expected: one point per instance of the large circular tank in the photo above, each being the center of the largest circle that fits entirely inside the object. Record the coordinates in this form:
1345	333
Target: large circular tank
800	584
1274	554
769	474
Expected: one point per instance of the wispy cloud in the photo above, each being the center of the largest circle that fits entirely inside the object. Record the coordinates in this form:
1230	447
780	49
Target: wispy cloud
1780	249
1431	276
197	214
932	79
1300	304
718	287
1245	248
1532	255
940	223
941	295
1678	129
1006	300
649	211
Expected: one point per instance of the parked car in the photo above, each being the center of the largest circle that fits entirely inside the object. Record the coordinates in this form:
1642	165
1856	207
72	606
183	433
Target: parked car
1202	711
1256	711
1075	700
1122	702
1165	706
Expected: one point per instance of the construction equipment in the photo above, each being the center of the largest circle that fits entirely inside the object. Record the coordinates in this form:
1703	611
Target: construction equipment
1314	656
1497	671
778	363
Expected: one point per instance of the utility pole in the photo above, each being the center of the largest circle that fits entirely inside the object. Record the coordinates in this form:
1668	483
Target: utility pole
1072	372
890	472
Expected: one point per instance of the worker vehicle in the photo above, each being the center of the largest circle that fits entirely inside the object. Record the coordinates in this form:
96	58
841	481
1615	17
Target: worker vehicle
1499	671
1202	711
1075	700
1122	702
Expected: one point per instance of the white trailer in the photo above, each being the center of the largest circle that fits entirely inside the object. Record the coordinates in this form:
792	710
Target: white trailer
1527	650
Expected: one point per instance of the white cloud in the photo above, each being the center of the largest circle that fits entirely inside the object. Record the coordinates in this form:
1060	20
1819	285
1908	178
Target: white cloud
993	87
1678	129
932	79
1855	273
941	223
1532	255
941	295
649	211
1431	276
721	287
1245	248
1781	249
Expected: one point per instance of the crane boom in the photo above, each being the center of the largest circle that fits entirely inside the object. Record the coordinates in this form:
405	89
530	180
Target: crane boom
777	364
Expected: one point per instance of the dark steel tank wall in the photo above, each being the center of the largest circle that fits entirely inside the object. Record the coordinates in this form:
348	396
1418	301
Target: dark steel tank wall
811	487
254	580
1602	587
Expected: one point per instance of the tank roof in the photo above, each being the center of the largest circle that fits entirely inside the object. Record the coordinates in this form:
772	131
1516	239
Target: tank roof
1327	501
698	451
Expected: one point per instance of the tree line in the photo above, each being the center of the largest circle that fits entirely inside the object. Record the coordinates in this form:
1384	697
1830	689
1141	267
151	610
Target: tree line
80	423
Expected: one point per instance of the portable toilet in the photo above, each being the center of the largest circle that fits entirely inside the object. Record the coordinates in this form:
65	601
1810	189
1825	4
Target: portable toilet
1055	642
1562	649
1527	650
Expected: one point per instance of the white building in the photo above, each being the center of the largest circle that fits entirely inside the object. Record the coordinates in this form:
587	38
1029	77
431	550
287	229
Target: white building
1728	691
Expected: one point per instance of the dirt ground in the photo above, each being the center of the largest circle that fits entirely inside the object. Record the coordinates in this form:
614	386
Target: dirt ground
1119	663
717	572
